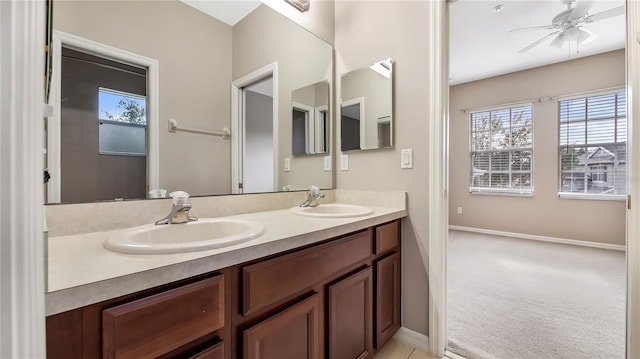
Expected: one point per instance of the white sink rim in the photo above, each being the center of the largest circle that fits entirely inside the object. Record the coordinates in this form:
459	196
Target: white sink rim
342	211
125	241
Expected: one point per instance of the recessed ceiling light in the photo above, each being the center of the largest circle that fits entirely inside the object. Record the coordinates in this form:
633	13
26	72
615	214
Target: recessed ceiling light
498	8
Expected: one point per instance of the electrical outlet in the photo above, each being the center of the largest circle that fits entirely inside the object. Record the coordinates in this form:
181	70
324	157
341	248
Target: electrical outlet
459	210
344	162
287	164
327	163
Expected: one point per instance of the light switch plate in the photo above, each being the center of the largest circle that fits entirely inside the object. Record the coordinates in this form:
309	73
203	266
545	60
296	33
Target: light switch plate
406	158
327	163
344	162
287	164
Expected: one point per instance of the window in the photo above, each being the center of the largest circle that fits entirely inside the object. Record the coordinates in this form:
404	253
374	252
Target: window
593	145
123	123
502	150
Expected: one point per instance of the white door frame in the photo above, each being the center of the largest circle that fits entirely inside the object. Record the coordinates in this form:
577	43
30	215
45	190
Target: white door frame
438	182
22	264
237	119
309	125
61	39
438	186
358	101
633	213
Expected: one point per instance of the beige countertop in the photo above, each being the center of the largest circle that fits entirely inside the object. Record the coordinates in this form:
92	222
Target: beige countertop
82	272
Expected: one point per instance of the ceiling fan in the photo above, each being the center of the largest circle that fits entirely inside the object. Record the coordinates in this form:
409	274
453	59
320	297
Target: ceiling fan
568	25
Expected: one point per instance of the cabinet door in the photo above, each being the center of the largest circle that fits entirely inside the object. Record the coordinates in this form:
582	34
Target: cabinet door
292	333
387	298
350	312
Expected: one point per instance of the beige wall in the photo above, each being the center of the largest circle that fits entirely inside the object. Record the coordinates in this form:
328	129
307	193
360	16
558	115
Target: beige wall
543	214
370	31
194	55
318	19
303	59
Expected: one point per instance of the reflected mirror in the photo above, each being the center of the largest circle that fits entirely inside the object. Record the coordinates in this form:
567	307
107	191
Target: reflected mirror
155	116
366	108
310	119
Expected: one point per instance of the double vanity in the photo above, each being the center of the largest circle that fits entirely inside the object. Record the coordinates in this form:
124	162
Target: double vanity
290	282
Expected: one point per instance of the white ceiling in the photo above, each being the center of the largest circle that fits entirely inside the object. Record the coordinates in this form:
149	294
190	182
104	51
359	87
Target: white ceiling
228	11
481	45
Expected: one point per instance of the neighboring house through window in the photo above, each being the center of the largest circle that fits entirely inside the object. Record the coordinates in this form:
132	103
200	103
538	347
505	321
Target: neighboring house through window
502	150
593	145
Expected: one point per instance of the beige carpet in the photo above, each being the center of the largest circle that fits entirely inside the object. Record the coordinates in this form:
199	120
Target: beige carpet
512	298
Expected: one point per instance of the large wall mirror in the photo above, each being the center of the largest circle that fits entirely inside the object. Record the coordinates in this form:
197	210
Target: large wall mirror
144	95
366	107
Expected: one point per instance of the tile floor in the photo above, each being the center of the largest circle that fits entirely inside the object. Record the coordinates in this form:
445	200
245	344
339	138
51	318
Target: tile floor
398	350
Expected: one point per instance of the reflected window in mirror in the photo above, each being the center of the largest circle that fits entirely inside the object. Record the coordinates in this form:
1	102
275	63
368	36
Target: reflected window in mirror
366	108
122	123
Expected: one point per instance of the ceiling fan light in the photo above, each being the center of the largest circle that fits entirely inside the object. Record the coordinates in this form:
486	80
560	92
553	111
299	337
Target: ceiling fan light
572	33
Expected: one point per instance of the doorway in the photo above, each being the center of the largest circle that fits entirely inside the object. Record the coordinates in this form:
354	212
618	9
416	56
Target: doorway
254	139
95	57
438	218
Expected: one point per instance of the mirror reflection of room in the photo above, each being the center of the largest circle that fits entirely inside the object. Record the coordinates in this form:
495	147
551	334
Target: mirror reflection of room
192	87
366	107
310	108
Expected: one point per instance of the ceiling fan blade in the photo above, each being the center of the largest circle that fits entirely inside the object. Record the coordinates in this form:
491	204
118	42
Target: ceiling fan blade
581	9
605	14
558	41
542	27
586	36
538	42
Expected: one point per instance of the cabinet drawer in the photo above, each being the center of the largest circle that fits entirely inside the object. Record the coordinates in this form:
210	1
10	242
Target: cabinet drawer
387	237
152	326
214	352
267	282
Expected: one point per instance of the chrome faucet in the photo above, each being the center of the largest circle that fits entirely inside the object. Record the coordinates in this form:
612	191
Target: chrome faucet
179	210
312	197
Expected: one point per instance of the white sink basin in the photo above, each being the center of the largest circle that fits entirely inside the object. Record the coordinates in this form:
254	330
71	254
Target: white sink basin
204	234
333	210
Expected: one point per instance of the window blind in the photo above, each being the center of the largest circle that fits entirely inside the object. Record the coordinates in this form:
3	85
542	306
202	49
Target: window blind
502	150
593	145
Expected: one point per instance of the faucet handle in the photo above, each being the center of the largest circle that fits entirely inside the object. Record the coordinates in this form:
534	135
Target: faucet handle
179	197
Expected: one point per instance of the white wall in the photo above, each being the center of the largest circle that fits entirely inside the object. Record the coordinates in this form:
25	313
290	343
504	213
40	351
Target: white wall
370	31
543	214
257	172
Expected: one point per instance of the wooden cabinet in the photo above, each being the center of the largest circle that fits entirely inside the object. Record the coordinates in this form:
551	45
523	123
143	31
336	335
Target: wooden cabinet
214	352
350	327
156	325
186	319
337	299
292	333
387	298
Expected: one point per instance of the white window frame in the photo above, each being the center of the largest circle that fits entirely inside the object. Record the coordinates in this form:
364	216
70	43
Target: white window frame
590	196
520	192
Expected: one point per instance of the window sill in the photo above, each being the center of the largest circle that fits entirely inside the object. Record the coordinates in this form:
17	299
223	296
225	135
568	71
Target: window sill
593	197
506	193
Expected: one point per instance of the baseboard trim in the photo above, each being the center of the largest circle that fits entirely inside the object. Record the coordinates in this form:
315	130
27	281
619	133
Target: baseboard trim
452	355
534	237
412	338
